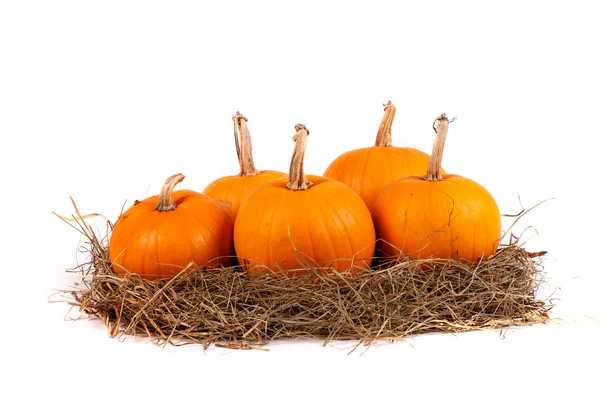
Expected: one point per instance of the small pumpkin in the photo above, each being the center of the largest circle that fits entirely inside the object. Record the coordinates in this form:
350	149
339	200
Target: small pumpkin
368	170
159	236
232	190
289	225
437	215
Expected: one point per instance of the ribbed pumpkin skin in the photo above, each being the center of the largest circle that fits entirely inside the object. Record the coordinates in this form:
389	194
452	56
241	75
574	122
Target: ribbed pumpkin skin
368	170
454	217
232	190
326	222
157	244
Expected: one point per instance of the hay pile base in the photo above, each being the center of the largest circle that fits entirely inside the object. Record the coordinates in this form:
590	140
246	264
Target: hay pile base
397	299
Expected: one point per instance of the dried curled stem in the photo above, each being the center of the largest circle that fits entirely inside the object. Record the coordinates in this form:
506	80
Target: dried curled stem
165	197
435	161
384	134
298	179
243	145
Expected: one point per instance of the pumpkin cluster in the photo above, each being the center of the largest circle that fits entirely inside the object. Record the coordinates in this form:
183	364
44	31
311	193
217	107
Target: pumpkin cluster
380	200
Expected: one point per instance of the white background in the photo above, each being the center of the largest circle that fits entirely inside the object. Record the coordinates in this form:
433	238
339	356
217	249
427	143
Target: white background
102	101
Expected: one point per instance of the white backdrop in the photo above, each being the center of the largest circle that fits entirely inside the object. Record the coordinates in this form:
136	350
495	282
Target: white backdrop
101	101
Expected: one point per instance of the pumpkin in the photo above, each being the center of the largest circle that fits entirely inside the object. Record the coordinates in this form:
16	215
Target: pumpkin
290	225
159	236
232	190
437	215
368	170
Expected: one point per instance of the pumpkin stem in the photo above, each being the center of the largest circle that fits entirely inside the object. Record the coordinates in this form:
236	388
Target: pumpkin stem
298	180
440	126
243	145
384	134
165	197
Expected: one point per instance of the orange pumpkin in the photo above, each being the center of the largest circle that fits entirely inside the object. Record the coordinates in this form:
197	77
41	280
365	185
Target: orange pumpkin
232	190
368	170
437	215
290	225
159	236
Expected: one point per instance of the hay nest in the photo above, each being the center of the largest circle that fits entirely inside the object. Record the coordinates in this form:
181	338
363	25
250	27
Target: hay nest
228	308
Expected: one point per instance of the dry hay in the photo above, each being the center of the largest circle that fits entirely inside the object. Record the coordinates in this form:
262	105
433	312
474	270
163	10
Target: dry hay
228	308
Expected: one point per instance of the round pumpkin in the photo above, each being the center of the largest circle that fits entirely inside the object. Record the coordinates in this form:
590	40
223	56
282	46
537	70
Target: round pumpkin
291	225
161	235
232	190
368	170
437	215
